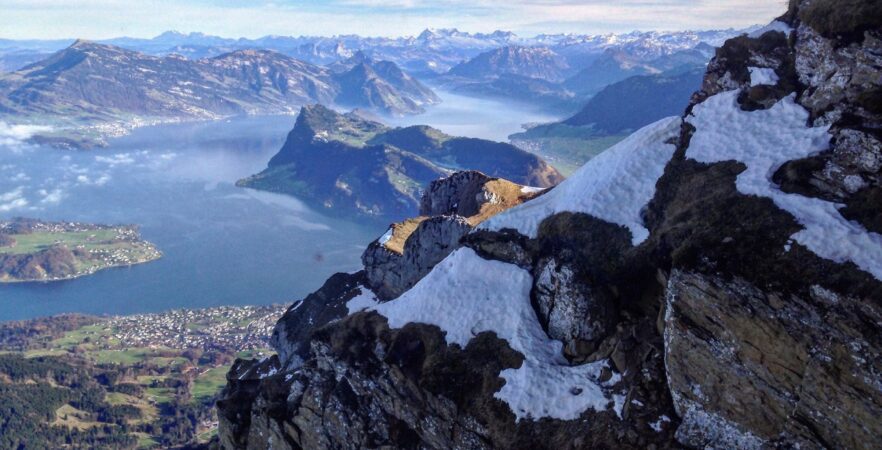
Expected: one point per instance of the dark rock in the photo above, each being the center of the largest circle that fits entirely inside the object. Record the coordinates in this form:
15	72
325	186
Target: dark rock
749	367
389	273
294	331
721	329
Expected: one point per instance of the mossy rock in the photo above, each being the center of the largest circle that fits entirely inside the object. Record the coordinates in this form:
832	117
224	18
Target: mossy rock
845	19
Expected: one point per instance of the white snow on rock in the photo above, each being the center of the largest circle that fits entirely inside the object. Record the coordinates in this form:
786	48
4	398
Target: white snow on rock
658	424
762	76
386	236
465	295
764	140
531	189
776	25
362	301
614	186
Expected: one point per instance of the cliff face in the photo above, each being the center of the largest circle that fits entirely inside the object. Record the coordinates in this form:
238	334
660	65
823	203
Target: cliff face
352	166
712	282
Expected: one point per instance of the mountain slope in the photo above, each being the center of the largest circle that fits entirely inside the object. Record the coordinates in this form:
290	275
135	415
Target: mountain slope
352	166
637	102
90	82
609	116
713	281
532	62
380	85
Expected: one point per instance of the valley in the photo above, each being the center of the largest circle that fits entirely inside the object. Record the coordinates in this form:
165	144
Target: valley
146	381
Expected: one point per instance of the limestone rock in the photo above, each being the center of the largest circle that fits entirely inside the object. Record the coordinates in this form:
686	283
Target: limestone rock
389	273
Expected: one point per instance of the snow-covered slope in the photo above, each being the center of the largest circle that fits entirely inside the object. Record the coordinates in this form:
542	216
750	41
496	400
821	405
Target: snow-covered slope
614	186
764	141
466	295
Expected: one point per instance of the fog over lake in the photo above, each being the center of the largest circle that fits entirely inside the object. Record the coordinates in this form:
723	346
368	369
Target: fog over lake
222	245
458	115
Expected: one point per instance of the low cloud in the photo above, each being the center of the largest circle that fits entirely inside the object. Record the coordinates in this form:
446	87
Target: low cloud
14	137
13	200
116	159
52	197
99	181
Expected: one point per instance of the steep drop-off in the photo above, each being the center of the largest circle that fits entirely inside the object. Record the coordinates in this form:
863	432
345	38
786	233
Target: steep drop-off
713	281
352	166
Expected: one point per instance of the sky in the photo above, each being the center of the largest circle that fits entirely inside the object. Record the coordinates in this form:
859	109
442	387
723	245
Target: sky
101	19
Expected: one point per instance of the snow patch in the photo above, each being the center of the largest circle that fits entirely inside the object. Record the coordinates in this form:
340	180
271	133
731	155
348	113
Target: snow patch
466	295
364	300
766	139
657	425
386	237
614	186
762	76
531	189
776	25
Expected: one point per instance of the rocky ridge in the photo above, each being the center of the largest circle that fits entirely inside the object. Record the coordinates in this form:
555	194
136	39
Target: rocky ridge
89	83
714	281
351	165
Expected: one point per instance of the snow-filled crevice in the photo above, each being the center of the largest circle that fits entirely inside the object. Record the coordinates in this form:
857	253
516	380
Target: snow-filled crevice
364	300
760	76
465	295
614	186
764	140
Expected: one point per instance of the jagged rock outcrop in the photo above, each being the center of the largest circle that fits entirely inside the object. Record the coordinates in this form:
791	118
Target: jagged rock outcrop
710	282
390	272
450	208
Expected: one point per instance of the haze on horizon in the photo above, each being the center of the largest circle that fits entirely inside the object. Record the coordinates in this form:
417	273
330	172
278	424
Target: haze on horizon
103	19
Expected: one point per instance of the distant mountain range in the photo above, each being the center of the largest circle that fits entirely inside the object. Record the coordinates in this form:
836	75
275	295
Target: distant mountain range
431	52
349	165
90	83
178	76
541	76
611	114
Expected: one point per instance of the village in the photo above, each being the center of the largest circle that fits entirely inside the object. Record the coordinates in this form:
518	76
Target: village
224	327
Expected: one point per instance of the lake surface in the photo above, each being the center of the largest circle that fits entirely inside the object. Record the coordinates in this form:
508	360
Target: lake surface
222	245
459	115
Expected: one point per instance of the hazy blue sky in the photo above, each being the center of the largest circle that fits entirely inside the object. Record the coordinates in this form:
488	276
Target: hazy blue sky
96	19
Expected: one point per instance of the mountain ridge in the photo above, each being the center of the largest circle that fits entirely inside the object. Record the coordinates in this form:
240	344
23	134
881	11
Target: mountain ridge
694	286
90	82
349	165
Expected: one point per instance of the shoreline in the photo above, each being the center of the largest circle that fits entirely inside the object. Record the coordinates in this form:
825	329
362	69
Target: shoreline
8	281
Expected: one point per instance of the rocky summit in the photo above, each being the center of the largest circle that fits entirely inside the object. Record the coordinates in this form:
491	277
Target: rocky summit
713	281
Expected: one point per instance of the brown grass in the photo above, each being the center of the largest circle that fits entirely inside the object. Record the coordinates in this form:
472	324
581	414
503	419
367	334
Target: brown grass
400	232
509	195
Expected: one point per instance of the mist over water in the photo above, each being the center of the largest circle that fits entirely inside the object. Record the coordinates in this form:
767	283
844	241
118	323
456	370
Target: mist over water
459	115
222	245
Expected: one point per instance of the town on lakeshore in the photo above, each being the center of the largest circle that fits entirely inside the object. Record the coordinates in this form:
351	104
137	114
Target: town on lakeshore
33	250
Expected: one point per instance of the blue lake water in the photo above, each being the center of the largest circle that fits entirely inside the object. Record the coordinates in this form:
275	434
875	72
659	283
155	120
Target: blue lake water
222	245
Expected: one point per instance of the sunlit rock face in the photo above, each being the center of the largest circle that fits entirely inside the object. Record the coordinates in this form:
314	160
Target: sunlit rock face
711	282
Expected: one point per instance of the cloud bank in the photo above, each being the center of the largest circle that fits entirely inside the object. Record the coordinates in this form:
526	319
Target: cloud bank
99	19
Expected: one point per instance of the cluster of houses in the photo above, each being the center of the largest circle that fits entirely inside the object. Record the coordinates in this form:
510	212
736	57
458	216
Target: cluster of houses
228	327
